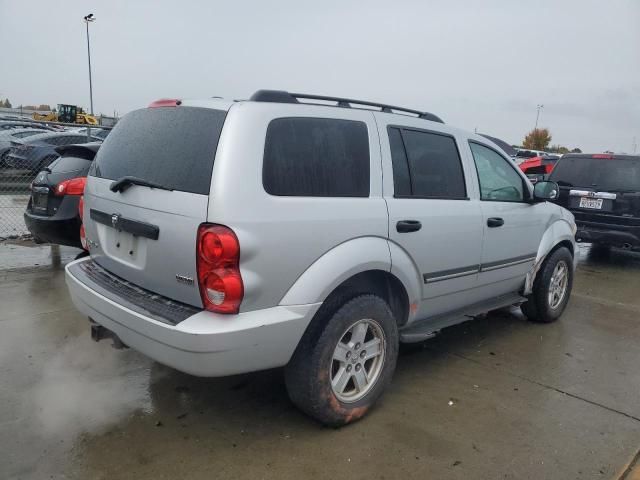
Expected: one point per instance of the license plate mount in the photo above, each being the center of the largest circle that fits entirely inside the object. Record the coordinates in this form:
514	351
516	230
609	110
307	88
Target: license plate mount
40	200
591	203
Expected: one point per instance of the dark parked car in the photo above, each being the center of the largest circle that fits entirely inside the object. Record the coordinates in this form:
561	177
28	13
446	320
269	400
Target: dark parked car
603	192
13	124
38	151
100	133
537	168
506	148
52	213
8	136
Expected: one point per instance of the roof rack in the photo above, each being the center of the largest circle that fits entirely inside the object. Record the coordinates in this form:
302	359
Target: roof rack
281	96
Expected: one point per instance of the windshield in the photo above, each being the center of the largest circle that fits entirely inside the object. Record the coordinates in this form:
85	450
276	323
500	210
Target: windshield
170	146
601	174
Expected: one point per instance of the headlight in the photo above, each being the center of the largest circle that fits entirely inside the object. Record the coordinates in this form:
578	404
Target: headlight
574	229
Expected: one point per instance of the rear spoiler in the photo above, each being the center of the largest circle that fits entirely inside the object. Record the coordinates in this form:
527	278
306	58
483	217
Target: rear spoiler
83	150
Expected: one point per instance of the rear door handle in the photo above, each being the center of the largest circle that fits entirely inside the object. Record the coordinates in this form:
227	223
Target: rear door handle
494	222
406	226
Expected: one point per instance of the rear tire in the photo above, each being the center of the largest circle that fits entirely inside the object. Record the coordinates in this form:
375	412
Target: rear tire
344	361
551	289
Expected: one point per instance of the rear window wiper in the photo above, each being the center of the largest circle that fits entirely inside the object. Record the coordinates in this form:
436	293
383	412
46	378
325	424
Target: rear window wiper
123	183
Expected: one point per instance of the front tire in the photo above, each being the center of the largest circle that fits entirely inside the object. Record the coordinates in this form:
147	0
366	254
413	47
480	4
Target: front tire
551	289
344	361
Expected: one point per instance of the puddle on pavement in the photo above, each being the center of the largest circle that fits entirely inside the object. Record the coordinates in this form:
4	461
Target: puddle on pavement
26	254
608	258
88	397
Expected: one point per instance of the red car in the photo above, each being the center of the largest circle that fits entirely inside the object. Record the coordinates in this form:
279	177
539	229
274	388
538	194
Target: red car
537	167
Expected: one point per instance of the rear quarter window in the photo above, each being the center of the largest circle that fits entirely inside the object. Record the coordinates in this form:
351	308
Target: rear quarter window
316	157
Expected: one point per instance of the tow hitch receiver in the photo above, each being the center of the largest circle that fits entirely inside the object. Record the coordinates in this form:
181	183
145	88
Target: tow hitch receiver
98	332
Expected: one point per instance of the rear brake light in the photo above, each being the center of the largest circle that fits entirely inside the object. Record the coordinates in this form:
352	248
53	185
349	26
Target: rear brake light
218	264
73	186
603	155
83	236
165	102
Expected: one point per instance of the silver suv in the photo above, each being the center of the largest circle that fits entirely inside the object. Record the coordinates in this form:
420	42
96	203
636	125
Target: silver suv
308	232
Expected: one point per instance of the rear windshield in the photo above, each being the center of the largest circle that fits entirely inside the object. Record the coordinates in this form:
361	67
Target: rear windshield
69	164
526	154
172	146
603	174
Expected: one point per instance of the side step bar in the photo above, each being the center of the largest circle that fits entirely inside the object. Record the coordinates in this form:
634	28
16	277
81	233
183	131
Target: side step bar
428	328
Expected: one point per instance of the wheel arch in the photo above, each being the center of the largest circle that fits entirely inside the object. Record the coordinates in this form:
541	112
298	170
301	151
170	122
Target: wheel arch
356	267
558	234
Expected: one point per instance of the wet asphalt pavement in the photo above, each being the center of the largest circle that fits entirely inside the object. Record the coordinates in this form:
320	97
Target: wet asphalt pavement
497	397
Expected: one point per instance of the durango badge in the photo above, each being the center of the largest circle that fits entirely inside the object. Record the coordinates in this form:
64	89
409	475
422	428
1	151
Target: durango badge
184	279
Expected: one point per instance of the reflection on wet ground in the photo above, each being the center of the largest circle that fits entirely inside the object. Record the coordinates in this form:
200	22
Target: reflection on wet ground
498	397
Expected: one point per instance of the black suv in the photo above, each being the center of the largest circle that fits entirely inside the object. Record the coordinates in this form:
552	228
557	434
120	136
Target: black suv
603	192
52	213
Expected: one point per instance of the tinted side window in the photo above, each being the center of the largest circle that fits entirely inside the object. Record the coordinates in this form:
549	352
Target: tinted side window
401	178
65	140
316	157
435	169
498	179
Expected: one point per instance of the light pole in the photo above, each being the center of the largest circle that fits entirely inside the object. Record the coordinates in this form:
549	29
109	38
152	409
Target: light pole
87	19
539	107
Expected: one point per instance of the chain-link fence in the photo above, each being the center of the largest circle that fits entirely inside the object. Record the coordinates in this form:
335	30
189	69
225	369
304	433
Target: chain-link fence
28	148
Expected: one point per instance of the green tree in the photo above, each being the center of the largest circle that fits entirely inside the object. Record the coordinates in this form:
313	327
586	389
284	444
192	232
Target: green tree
6	103
537	139
576	150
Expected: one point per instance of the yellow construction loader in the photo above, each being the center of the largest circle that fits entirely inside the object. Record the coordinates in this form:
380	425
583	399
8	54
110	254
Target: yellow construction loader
67	114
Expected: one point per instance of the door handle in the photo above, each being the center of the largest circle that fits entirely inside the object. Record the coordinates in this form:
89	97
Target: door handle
494	222
406	226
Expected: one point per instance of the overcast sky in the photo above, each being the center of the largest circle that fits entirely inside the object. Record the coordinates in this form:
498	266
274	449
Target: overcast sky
477	64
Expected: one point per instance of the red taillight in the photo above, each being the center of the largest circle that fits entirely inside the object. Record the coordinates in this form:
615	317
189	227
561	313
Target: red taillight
606	156
218	262
73	186
165	102
83	236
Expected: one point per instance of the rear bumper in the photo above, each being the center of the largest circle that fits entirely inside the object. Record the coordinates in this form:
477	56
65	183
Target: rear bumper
613	235
63	230
205	344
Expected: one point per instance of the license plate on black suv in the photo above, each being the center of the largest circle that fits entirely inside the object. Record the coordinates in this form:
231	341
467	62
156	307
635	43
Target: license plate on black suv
595	203
40	199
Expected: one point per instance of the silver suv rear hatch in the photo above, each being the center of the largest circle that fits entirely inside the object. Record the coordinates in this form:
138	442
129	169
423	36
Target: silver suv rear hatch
147	193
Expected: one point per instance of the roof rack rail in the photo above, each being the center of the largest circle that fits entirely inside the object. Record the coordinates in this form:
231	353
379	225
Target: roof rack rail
281	96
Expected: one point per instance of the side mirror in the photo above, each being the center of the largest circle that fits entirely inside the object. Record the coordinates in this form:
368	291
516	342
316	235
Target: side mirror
545	190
